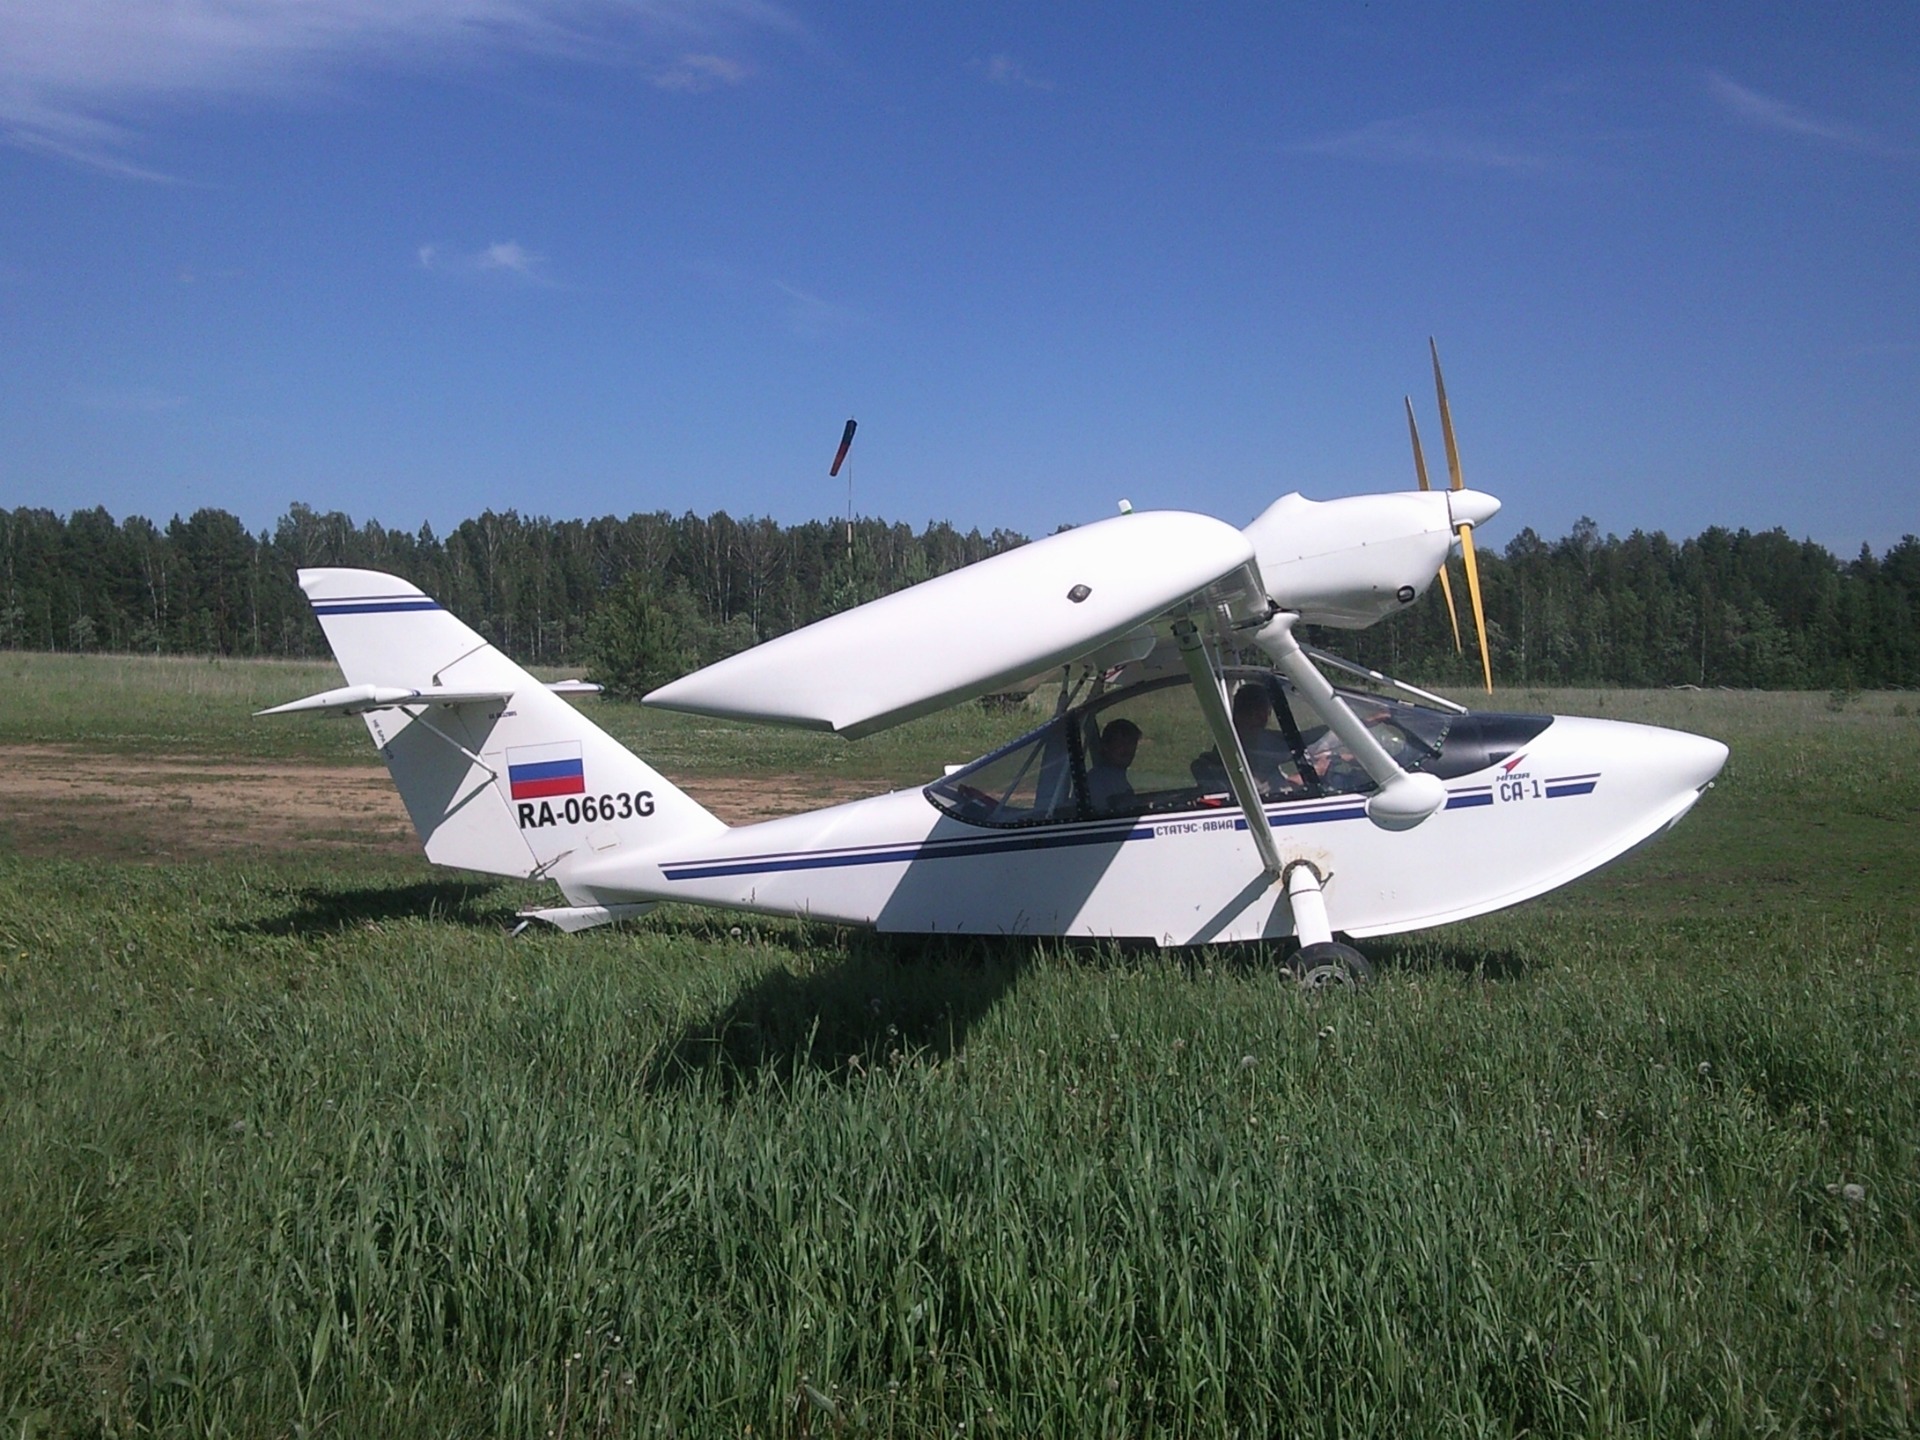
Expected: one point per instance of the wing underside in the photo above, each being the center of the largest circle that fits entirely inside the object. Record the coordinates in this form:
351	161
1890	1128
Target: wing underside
982	628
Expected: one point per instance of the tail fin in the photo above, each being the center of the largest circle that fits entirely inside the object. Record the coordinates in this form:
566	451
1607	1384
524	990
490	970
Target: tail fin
498	773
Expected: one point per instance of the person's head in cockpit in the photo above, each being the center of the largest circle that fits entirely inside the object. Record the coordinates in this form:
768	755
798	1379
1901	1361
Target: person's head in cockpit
1251	709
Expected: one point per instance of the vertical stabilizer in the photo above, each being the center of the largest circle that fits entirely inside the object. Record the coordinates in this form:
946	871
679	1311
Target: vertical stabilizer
498	773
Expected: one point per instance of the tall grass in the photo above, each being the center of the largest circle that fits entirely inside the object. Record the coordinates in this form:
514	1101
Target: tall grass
301	1146
277	1168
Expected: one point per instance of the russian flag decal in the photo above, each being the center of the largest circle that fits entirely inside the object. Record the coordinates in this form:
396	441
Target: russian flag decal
538	772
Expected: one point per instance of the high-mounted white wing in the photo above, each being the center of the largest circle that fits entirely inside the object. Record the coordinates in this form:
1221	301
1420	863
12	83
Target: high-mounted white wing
969	632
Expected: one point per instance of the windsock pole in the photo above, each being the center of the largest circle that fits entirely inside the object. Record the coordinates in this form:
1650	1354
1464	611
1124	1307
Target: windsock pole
839	459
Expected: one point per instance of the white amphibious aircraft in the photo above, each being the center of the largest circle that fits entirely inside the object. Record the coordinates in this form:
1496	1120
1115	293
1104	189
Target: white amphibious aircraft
1178	793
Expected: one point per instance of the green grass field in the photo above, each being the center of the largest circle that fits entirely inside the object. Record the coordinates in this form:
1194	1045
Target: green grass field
138	705
293	1144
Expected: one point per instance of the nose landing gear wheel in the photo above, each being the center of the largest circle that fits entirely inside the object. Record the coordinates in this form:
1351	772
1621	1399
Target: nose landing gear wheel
1331	964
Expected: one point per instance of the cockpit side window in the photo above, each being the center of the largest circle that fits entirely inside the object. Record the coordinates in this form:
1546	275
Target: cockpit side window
1412	734
1256	702
1147	749
1029	782
1140	746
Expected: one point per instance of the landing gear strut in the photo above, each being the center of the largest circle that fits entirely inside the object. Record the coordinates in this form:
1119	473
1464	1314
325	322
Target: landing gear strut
1322	961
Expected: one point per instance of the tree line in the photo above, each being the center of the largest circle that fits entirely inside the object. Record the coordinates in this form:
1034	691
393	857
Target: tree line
541	589
639	599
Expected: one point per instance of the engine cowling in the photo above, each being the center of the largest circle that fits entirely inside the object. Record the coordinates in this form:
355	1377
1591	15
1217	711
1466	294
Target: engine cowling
1350	562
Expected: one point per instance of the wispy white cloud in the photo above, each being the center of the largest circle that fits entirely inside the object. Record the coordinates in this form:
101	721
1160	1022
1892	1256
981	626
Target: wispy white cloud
1764	112
78	77
750	292
1011	74
508	259
812	318
512	257
1432	138
695	74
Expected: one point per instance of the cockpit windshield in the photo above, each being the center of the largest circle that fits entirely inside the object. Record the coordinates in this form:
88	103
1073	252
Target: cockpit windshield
1147	749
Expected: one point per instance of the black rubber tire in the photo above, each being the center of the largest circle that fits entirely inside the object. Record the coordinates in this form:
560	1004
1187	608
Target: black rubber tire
1331	965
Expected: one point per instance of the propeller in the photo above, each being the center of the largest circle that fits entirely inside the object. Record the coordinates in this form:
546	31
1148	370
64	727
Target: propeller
1420	469
1463	528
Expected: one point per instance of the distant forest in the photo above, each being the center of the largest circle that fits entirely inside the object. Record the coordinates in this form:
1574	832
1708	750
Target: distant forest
642	598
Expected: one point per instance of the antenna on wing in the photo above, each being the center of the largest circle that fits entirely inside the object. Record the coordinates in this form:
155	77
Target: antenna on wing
839	459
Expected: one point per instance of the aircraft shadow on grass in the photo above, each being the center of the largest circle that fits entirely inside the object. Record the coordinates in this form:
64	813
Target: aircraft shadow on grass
967	966
887	1000
883	1002
320	910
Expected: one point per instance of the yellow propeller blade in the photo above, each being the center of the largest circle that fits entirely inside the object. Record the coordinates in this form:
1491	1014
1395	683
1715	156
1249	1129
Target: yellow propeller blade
1420	469
1413	433
1466	531
1473	594
1446	421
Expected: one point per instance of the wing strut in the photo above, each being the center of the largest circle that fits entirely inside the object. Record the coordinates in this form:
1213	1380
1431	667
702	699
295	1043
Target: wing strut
1404	799
1213	703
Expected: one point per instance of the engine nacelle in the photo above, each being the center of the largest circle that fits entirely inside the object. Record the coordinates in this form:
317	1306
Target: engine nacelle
1350	562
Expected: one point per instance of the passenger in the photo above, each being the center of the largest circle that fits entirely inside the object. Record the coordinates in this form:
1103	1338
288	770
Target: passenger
1108	788
1268	754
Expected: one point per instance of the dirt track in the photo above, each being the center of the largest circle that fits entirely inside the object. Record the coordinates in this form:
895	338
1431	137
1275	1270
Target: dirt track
57	800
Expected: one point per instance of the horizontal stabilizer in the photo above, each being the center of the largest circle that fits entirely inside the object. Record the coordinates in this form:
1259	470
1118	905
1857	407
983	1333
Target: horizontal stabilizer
360	699
975	630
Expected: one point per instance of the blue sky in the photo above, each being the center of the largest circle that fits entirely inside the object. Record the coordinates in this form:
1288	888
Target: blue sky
414	258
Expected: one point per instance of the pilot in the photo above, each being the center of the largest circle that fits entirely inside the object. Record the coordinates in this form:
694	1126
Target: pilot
1108	788
1268	754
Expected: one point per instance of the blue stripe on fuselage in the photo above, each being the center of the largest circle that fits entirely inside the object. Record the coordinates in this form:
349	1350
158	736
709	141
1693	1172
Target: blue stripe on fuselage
371	607
900	854
1142	828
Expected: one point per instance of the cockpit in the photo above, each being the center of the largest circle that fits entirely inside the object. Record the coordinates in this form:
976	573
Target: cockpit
1146	749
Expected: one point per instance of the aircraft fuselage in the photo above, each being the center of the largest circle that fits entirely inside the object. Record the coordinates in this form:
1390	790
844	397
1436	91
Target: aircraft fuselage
1580	793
